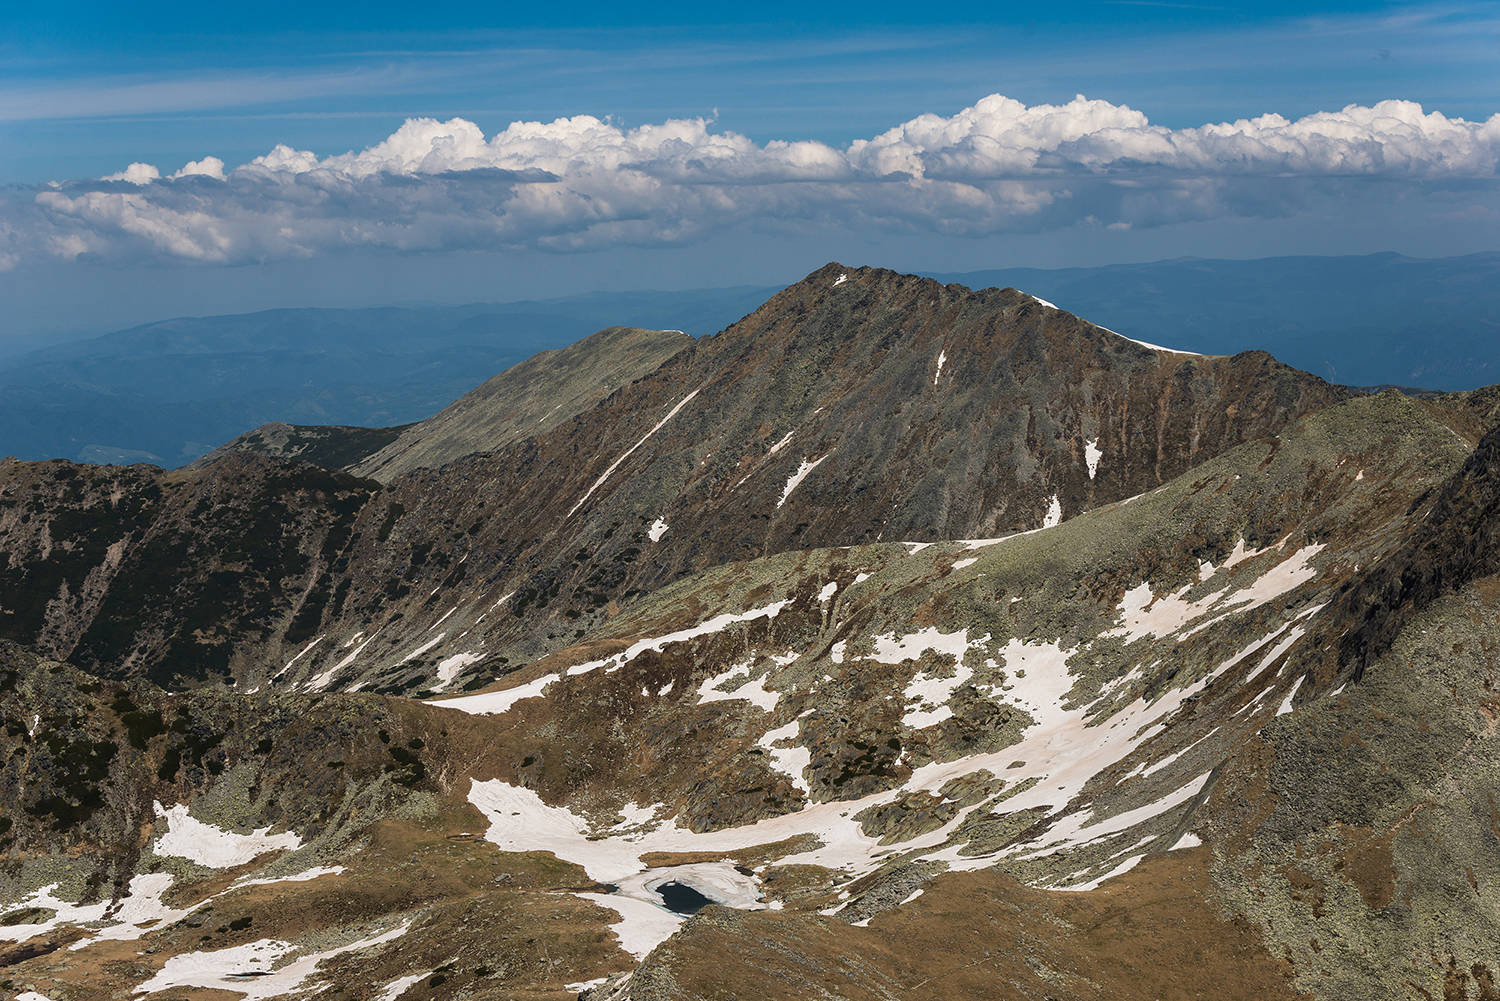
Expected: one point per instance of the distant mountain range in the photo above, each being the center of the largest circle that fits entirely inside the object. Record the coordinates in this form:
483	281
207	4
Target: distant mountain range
169	392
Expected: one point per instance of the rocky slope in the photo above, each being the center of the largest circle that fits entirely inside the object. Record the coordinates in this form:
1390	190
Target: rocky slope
1232	733
527	400
326	445
854	407
1112	758
524	400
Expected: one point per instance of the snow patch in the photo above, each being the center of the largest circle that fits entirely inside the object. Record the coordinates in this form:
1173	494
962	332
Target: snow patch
304	650
790	760
236	969
449	667
422	649
1092	455
318	683
753	692
658	529
638	815
891	649
301	877
1118	870
1054	513
490	703
1145	614
499	702
797	478
942	357
1240	555
141	905
1146	771
1286	704
931	696
1153	347
397	987
642	926
209	846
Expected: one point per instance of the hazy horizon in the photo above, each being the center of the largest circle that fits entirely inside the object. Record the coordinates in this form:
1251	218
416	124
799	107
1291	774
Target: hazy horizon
181	160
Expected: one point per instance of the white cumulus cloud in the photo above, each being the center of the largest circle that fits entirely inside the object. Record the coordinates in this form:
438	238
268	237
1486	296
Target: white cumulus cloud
209	166
583	183
136	173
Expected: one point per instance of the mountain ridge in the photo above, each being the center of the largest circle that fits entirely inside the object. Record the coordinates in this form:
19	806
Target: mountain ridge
837	387
938	640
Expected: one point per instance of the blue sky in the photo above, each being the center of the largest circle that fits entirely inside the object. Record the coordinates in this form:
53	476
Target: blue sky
86	90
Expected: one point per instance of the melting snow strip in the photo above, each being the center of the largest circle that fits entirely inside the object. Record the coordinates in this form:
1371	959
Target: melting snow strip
140	905
225	969
616	464
397	987
498	702
1147	344
1054	513
798	477
301	877
421	649
449	667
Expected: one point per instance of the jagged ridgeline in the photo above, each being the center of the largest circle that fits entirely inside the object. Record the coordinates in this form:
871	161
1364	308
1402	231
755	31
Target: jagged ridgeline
901	640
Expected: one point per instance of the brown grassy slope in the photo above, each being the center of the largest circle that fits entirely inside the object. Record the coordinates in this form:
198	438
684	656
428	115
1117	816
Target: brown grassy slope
1151	935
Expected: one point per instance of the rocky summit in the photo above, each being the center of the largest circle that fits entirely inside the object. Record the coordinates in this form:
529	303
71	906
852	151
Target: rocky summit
901	640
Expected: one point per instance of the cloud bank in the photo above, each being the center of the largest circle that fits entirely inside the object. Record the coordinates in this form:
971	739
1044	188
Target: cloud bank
582	183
